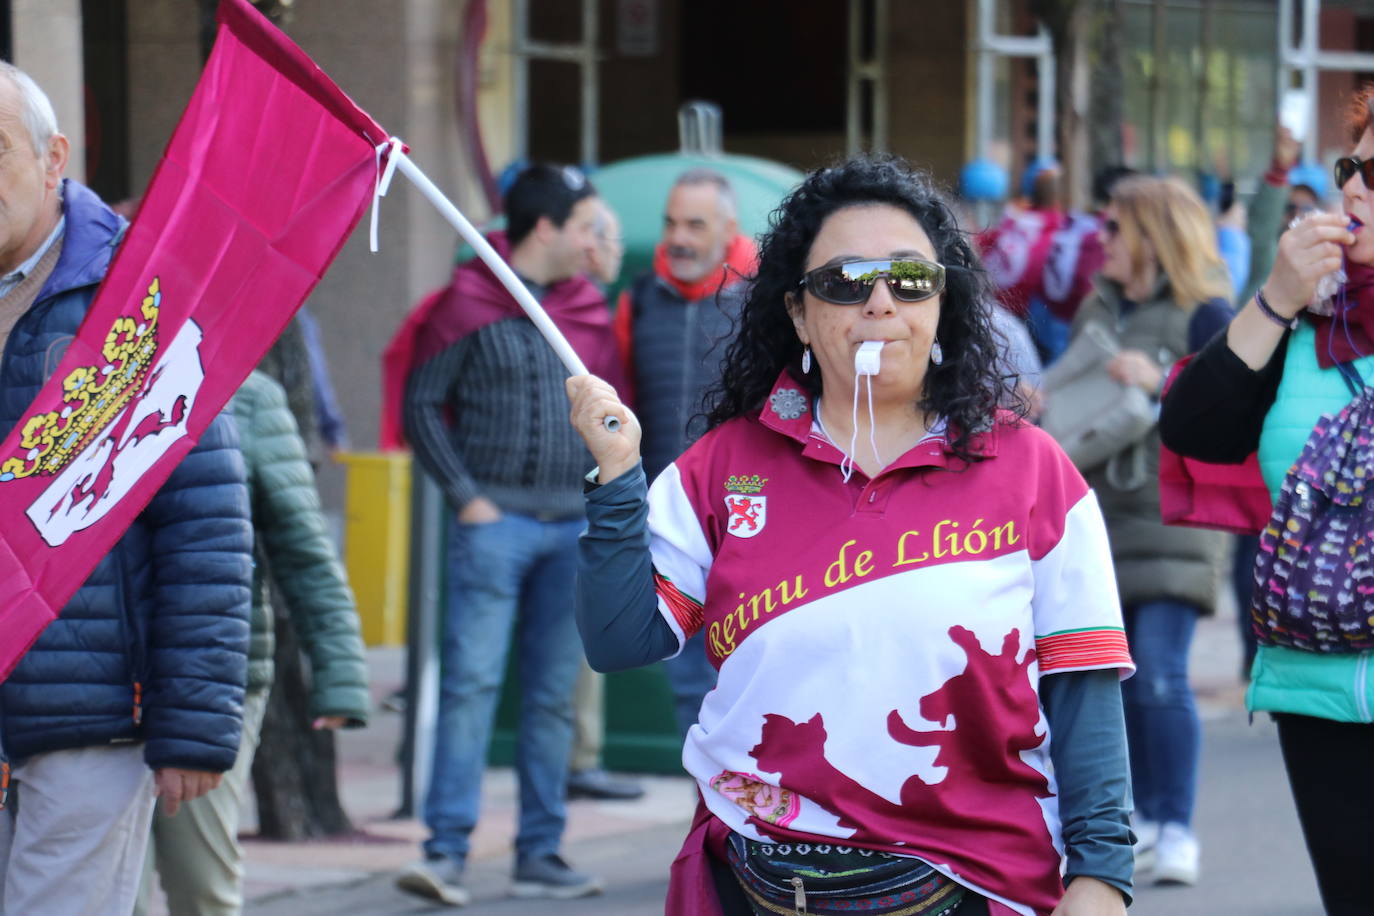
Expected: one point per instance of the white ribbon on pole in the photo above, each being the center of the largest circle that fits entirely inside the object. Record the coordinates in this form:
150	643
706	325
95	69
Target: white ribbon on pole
382	183
397	159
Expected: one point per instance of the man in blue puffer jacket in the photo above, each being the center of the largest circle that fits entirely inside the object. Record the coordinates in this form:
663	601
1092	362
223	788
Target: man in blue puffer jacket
137	688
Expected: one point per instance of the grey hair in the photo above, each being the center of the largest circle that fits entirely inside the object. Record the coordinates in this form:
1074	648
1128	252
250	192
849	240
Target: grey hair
37	111
701	175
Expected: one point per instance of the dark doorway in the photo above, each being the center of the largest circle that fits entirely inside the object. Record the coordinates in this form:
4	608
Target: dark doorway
777	68
772	65
105	59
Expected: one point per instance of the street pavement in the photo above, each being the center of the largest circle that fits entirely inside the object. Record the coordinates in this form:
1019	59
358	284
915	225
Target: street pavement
1253	860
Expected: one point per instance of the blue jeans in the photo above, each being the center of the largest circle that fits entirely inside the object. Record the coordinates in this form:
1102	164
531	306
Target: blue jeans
691	677
1162	727
514	576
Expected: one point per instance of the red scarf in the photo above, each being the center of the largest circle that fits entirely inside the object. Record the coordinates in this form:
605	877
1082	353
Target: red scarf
1349	333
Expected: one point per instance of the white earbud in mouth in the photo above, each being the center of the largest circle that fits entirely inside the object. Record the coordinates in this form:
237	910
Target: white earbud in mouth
868	358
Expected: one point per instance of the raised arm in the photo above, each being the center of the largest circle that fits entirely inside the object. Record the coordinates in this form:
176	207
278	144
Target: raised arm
1216	408
1307	252
617	603
593	400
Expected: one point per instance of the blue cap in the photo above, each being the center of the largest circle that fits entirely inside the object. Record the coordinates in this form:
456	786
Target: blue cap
1309	175
508	175
1033	171
983	179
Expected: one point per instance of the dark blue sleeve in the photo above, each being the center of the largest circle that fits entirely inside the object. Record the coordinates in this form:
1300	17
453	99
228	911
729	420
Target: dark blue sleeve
617	608
1088	747
202	566
332	426
1208	318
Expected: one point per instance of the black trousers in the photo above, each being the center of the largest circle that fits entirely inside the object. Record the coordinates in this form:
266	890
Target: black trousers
1330	765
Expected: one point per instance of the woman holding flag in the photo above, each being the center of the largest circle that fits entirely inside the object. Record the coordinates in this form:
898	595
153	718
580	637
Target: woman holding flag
904	587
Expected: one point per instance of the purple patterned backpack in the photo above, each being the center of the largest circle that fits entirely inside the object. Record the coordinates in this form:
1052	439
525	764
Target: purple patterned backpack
1314	576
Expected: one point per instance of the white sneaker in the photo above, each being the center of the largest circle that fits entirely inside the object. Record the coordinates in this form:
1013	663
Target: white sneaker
1176	856
439	878
1146	839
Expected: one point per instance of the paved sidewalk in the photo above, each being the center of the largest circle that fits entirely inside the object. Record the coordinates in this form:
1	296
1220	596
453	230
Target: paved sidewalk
1245	821
291	878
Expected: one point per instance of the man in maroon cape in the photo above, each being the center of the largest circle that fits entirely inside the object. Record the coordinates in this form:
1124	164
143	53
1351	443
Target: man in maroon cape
485	411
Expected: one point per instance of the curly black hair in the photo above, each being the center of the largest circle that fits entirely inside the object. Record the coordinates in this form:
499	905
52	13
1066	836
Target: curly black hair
966	389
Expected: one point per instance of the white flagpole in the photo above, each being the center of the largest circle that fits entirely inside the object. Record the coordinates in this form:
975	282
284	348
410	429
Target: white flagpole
536	313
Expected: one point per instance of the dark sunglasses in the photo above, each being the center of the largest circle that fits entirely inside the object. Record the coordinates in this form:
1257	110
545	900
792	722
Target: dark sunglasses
1347	166
908	279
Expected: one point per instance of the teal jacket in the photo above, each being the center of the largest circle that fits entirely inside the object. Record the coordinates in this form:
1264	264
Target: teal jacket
290	540
1328	686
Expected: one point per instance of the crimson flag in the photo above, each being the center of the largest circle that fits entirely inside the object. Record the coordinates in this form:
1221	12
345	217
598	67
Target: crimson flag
268	172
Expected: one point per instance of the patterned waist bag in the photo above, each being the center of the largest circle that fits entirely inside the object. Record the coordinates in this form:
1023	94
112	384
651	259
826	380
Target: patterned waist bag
821	878
1314	575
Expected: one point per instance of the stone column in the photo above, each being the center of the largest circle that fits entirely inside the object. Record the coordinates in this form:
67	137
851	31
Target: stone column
47	46
164	65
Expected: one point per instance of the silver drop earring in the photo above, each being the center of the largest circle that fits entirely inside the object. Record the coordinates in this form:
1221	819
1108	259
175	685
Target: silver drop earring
806	361
937	355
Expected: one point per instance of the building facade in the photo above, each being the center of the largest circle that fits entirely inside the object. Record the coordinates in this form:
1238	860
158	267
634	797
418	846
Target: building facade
588	81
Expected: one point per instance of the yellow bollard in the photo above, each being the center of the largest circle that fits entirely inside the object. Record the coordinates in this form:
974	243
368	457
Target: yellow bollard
377	541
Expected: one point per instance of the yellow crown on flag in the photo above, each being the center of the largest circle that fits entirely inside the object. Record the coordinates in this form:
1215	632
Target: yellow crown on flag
92	396
739	484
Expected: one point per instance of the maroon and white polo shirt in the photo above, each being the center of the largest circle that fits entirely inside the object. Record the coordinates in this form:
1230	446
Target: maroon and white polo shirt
880	642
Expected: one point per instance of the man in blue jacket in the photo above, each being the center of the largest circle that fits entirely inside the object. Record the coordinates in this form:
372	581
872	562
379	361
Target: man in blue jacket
136	689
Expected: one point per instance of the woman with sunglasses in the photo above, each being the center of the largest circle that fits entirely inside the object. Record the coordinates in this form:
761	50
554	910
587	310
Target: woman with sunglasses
906	590
1162	289
1263	385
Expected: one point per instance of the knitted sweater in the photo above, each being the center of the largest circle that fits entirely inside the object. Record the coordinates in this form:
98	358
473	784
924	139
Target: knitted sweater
20	299
509	439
